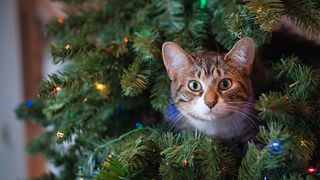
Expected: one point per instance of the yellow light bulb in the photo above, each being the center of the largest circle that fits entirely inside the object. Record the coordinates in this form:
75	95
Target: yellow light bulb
259	10
68	46
60	20
100	86
60	134
185	163
56	89
126	40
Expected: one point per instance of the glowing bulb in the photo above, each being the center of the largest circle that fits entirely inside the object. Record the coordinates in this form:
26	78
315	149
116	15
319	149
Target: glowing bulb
203	3
303	143
259	10
56	89
286	97
68	46
185	162
311	169
126	39
100	86
60	134
60	20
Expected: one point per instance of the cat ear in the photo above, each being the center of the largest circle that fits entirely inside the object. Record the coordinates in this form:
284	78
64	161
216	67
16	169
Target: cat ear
174	57
242	53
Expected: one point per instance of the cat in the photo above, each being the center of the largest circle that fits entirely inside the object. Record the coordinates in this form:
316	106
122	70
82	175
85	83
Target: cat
213	92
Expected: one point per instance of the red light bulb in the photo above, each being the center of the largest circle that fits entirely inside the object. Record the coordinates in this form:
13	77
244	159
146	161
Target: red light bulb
312	169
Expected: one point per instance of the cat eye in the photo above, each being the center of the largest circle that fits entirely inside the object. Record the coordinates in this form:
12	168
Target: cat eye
194	86
225	84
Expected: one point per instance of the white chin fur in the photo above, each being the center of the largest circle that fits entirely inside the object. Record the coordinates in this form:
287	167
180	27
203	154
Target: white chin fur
213	123
202	111
221	128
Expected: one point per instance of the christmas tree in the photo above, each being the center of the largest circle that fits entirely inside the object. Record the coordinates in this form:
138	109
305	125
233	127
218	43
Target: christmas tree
103	112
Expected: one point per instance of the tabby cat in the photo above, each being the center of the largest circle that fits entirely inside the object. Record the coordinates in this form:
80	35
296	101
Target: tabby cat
213	92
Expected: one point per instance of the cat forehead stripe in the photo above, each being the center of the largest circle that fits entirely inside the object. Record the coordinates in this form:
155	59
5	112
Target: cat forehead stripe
209	64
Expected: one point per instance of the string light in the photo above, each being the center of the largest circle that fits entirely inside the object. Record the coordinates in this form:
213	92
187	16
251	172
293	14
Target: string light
60	134
60	20
259	10
185	163
239	34
68	46
311	170
286	97
106	163
85	99
203	4
126	40
55	90
29	103
276	147
100	86
303	143
139	125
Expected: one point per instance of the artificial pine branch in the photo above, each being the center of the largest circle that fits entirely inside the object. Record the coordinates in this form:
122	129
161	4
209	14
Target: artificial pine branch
115	46
172	11
306	14
258	161
135	79
267	12
160	92
146	46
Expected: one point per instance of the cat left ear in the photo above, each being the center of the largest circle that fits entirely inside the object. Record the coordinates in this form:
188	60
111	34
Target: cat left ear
242	53
174	58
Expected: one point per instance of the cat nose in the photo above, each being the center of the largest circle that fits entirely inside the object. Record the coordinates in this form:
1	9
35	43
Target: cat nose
211	98
210	104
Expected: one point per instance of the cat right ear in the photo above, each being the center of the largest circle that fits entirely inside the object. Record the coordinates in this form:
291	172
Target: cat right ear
174	57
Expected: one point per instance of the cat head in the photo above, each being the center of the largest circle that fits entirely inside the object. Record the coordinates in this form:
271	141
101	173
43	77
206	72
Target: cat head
208	86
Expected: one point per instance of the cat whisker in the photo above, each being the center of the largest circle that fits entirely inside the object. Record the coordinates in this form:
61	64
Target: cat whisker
234	123
246	116
171	103
175	121
246	103
178	118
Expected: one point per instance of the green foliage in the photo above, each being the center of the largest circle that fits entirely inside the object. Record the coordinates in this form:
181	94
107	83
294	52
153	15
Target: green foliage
257	161
274	107
135	79
267	12
114	170
183	155
308	21
116	78
160	92
172	11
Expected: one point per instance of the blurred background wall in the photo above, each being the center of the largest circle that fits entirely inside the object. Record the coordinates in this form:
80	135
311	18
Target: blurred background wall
12	159
24	61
